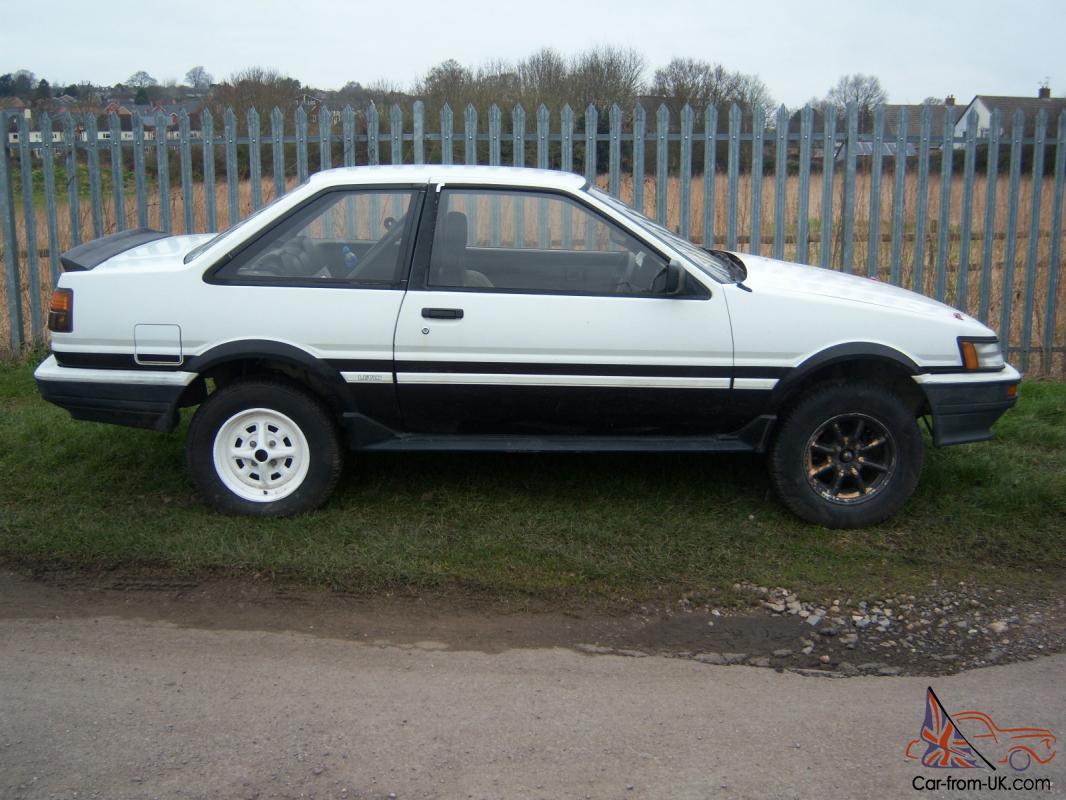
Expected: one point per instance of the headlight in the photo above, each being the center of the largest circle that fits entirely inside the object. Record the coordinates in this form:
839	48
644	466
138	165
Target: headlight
981	353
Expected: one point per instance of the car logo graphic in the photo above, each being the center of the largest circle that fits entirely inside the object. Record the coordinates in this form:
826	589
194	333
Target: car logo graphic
951	741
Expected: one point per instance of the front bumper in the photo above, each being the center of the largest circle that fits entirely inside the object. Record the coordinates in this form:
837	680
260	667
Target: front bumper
135	398
964	407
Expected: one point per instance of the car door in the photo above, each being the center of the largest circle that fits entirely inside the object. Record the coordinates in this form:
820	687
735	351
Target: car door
531	312
326	279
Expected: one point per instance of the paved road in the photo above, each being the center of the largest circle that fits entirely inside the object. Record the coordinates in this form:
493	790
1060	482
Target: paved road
120	707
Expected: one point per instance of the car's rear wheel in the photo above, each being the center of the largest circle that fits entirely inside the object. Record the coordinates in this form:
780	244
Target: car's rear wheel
847	456
263	448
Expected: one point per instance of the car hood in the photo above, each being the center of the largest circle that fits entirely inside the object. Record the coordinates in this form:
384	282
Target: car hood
766	274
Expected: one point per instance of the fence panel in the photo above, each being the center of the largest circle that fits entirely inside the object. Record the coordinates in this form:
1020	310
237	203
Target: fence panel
707	178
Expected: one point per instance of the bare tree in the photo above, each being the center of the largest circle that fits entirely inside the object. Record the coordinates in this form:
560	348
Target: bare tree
258	87
696	83
865	91
141	80
606	75
543	78
199	78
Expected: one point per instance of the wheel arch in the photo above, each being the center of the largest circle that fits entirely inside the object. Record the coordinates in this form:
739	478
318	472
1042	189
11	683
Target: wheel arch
865	361
257	357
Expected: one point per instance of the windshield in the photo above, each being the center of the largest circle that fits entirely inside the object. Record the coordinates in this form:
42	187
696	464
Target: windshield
220	236
704	259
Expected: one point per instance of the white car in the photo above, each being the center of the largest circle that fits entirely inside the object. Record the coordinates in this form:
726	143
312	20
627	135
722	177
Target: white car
498	309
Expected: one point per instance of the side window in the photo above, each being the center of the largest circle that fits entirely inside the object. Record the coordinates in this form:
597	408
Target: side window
536	242
351	237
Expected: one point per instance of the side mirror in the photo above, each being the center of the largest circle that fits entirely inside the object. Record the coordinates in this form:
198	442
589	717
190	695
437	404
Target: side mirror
676	278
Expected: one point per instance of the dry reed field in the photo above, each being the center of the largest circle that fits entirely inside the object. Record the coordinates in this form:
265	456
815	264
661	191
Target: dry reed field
1039	362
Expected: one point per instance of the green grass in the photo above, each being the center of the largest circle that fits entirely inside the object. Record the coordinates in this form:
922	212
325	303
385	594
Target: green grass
91	496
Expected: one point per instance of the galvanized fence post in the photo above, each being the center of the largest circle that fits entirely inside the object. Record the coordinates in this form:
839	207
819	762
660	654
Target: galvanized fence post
614	150
847	206
29	212
1010	251
92	150
1035	197
48	164
803	207
277	150
898	196
446	121
685	223
992	181
710	172
118	178
758	133
640	122
73	198
918	279
207	131
733	198
419	131
185	154
255	158
1056	241
138	170
470	134
829	136
947	163
873	239
962	288
12	276
162	171
780	168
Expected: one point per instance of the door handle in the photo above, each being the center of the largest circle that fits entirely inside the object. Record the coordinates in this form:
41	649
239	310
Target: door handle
442	313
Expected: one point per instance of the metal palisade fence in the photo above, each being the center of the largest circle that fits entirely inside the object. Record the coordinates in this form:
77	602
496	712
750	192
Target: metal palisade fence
967	212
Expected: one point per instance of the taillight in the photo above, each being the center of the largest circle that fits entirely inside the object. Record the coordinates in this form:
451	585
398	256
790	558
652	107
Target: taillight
61	311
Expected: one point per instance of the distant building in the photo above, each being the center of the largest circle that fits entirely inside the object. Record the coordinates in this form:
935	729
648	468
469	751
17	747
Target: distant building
984	104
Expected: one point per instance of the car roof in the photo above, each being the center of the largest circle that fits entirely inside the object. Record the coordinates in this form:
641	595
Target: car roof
449	173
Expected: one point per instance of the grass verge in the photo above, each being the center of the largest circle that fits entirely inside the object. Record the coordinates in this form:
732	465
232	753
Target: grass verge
92	496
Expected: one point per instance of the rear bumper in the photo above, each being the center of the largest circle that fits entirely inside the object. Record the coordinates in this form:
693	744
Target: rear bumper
138	399
965	408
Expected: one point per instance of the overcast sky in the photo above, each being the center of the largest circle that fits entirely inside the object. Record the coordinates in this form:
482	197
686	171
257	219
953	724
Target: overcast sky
799	49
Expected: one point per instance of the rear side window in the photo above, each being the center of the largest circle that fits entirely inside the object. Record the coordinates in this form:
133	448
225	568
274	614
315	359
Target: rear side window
351	237
526	241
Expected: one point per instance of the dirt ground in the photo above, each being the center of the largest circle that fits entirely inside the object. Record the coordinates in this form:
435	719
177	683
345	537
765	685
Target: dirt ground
465	622
141	686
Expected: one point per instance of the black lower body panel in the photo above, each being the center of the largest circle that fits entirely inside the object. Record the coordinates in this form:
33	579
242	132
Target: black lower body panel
136	406
965	412
752	438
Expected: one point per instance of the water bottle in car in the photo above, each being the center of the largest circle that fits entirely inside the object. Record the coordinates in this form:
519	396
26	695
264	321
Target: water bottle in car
350	258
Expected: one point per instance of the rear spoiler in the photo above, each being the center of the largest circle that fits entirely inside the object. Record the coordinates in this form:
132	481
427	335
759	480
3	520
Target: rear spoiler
94	253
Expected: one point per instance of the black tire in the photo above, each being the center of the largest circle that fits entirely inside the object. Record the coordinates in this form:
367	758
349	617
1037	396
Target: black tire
847	456
293	471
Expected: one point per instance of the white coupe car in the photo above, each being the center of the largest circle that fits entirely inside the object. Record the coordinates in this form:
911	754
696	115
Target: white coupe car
453	308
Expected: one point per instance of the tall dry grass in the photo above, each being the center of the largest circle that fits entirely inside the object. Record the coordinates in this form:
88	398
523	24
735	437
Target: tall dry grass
914	250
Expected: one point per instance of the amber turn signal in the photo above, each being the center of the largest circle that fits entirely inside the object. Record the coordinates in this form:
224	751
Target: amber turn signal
969	355
1012	390
61	311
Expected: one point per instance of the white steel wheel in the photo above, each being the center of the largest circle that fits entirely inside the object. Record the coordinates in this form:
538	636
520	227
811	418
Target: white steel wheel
261	455
264	447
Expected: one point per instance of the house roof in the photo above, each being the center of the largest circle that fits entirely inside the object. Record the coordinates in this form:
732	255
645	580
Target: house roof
1029	106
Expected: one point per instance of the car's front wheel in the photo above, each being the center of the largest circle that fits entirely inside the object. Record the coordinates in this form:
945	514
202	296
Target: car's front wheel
847	456
263	448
